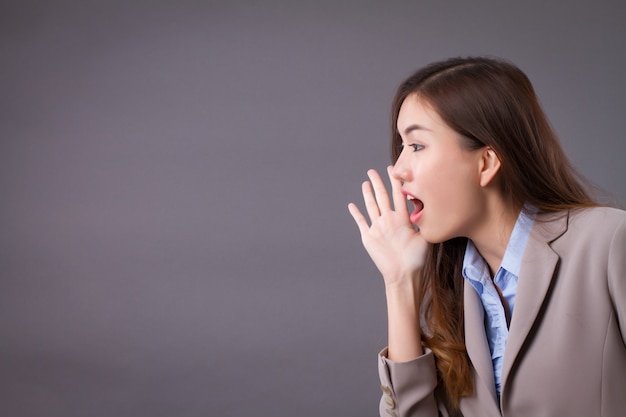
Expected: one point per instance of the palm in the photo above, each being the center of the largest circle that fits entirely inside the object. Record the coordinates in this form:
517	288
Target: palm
392	242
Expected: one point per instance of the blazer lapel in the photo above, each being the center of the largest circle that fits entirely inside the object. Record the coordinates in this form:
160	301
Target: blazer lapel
538	269
476	339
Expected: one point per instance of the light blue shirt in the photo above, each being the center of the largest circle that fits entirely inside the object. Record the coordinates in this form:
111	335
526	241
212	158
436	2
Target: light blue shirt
476	273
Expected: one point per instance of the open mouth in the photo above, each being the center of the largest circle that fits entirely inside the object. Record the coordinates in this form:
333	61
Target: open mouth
418	206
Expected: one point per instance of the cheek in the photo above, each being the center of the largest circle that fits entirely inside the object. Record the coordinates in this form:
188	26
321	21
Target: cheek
449	182
446	175
454	190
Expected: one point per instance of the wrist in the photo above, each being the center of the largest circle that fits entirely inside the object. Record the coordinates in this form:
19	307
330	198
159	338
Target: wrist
402	285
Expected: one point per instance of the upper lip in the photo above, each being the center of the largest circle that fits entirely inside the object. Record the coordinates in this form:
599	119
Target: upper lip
409	195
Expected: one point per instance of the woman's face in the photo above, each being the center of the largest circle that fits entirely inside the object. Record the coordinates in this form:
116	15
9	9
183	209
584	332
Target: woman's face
440	177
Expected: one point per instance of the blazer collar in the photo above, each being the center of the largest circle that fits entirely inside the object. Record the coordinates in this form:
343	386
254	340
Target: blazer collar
536	274
476	340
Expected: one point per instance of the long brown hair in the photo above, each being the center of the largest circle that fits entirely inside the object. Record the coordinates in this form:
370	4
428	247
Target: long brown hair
489	102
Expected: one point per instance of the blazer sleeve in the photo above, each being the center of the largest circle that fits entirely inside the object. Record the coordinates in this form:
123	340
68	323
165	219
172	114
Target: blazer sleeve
617	275
408	387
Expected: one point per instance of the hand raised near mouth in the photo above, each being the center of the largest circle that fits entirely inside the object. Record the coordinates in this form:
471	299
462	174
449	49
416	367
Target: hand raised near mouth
389	237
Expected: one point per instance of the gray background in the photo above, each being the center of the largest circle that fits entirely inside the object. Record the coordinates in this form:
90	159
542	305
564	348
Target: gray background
174	238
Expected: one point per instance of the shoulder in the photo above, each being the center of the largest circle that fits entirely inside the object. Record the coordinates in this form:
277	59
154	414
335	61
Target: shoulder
598	214
577	223
597	220
591	231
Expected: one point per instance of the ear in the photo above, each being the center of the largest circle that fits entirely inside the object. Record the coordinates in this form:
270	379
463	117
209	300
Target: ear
489	166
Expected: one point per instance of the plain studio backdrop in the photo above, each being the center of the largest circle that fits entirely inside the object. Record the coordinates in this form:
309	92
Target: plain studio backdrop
174	176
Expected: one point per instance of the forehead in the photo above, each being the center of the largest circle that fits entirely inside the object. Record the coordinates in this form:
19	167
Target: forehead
416	111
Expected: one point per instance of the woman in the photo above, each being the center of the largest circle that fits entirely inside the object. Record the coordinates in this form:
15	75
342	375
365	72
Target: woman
506	282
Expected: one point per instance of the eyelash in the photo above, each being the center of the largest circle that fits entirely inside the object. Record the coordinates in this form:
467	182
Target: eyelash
415	147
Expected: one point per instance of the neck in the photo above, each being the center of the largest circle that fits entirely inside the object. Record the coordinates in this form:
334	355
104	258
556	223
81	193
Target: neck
492	236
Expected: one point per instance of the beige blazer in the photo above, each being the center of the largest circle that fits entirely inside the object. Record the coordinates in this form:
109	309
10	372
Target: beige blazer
566	351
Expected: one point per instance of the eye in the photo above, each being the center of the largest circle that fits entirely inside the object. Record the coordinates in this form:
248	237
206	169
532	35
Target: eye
416	147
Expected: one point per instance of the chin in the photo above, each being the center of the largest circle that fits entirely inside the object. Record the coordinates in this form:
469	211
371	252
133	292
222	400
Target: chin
428	237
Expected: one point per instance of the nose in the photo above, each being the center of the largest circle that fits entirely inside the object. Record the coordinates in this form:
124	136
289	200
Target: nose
400	169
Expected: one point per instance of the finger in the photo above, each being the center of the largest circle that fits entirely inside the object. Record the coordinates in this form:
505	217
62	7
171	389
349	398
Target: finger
382	197
359	219
370	201
399	200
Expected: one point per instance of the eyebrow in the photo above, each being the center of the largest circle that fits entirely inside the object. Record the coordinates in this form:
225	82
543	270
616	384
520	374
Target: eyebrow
413	127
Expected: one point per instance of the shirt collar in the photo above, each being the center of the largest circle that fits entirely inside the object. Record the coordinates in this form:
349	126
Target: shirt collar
512	260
